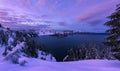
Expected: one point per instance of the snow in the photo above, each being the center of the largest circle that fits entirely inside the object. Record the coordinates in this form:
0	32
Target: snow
10	41
4	29
22	61
47	57
85	65
65	58
45	32
17	48
2	48
15	55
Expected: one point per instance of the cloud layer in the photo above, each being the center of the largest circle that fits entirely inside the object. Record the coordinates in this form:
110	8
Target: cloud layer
57	14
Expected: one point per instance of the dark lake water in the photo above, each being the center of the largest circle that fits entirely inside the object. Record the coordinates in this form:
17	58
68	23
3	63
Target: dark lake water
59	46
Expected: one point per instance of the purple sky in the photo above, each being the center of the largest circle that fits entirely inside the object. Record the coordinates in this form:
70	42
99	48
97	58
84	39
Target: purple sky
80	15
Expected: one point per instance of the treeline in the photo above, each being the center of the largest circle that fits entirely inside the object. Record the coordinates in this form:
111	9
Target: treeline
91	52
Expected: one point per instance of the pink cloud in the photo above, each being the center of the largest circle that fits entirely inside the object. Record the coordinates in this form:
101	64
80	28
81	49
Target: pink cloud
93	12
3	13
42	2
6	16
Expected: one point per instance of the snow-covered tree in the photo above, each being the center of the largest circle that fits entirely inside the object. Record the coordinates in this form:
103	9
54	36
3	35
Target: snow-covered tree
106	54
92	52
114	39
16	54
76	54
82	52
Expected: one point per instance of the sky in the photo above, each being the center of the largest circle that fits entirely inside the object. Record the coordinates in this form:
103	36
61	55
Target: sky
78	15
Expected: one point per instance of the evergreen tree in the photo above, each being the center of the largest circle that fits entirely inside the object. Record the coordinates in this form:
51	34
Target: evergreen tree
31	49
106	54
0	25
114	29
76	54
82	52
92	52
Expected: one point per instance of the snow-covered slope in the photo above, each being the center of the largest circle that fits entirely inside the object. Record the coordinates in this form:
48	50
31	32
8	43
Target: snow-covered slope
86	65
16	45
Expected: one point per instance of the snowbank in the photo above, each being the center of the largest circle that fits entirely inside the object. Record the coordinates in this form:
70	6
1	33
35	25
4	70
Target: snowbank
86	65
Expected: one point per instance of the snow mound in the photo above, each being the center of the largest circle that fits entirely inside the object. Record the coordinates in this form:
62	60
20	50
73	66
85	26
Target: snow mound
86	65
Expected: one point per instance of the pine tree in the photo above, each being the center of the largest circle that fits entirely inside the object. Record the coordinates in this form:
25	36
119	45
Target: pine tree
82	52
76	54
31	49
114	29
1	25
92	52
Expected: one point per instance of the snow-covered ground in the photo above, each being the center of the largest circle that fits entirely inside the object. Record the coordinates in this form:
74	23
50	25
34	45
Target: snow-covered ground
45	32
85	65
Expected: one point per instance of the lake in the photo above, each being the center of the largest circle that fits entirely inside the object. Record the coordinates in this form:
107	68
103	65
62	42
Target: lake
59	46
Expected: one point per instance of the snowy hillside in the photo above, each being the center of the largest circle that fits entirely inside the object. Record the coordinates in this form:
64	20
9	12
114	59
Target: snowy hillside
38	65
16	46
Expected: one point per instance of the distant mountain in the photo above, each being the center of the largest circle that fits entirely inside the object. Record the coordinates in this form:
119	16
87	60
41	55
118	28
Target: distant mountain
92	33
